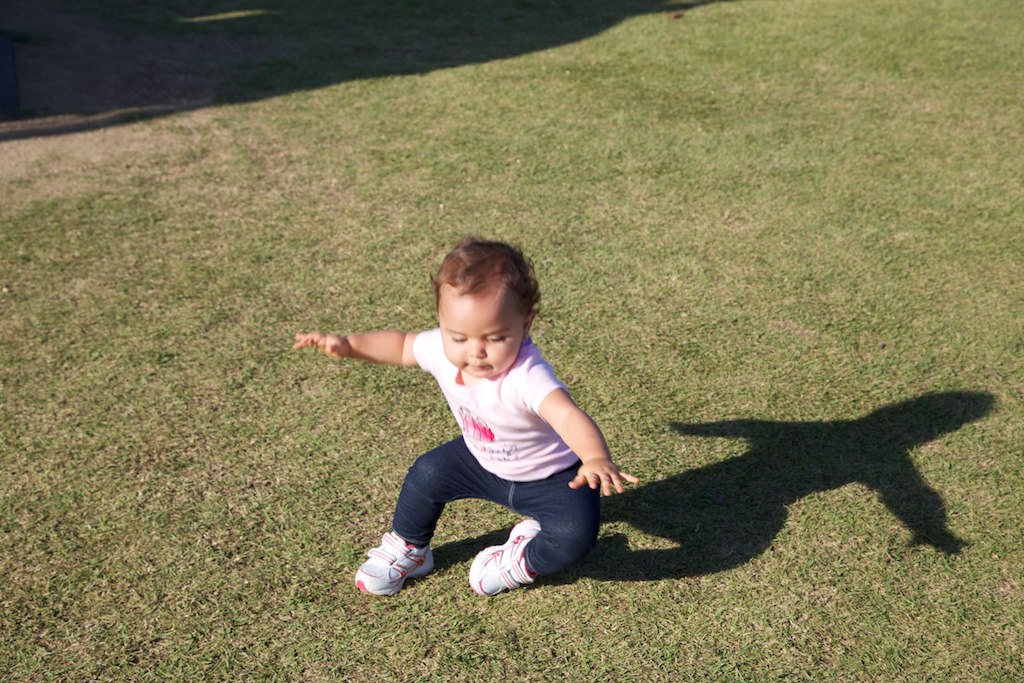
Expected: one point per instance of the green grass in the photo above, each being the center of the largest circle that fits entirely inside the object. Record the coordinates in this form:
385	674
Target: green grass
780	250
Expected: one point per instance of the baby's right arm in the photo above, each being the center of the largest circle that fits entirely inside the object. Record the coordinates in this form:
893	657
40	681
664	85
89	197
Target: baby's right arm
386	346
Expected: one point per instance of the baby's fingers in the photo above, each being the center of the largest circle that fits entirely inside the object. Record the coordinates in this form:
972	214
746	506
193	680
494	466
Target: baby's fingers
603	481
617	480
304	340
607	481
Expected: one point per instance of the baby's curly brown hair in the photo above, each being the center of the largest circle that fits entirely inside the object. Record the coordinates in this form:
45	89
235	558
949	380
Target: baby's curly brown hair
476	265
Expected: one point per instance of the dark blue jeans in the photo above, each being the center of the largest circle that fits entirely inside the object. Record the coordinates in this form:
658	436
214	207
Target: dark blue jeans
569	519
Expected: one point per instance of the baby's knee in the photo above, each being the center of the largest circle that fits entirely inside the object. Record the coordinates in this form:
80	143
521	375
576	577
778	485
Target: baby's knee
577	541
561	546
427	470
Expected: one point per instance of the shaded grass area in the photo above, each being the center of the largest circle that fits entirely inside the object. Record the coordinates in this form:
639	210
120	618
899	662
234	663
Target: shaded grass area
146	60
779	248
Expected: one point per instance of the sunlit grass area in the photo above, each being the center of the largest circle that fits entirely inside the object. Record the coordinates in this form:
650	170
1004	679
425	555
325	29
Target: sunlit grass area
780	251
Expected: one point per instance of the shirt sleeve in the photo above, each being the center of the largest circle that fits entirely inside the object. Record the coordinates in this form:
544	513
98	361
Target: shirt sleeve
427	349
537	381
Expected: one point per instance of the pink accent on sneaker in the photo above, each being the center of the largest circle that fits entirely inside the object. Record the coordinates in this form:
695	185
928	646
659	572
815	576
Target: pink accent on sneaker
391	563
503	567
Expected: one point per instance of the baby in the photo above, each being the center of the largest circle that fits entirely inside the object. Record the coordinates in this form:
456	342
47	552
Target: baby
525	444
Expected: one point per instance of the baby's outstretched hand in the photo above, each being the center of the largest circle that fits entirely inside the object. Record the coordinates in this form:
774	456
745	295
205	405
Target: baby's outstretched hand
601	473
329	344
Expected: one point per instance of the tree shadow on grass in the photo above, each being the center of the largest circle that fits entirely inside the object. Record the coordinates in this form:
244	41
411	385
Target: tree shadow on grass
723	515
111	61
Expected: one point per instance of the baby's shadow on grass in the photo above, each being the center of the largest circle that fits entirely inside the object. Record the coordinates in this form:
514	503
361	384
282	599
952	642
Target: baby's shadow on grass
722	515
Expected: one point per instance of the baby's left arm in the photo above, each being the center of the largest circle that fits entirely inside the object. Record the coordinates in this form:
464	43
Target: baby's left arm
584	437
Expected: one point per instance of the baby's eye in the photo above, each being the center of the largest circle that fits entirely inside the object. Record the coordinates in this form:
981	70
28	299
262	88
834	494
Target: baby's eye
458	340
496	339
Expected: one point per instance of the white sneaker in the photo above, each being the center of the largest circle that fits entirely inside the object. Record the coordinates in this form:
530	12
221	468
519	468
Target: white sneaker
391	563
501	567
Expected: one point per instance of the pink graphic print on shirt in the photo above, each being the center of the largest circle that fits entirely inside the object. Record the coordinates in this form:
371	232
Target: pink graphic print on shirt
474	427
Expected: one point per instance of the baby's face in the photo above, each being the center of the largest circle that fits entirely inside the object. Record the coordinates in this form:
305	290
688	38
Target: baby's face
482	333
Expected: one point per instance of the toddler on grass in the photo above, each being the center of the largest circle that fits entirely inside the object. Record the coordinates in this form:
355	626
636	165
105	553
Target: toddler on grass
525	444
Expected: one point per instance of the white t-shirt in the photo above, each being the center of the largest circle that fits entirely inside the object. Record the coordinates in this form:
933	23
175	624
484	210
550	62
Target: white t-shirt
498	416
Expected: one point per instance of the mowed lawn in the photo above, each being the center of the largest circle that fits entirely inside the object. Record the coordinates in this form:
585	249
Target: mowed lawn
782	260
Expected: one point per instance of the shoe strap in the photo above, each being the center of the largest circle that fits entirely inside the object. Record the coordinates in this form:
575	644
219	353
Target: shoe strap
514	572
392	549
